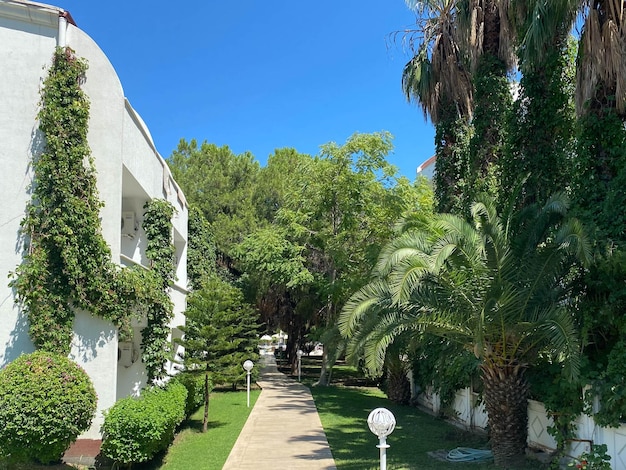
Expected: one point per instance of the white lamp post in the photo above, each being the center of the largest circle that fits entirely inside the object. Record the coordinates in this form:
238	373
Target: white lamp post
248	365
382	422
299	353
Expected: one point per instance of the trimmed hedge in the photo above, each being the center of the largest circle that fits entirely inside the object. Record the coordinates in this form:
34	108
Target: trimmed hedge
194	383
46	401
135	429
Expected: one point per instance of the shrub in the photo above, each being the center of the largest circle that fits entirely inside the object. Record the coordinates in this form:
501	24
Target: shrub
194	383
46	401
135	429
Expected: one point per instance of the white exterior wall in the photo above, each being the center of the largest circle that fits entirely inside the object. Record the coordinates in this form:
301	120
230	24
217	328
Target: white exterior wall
130	172
470	416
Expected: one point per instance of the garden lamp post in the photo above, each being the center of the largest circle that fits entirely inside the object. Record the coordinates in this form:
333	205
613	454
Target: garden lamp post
299	353
382	422
248	365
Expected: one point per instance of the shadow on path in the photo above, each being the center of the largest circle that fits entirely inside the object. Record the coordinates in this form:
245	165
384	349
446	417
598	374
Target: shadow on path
283	429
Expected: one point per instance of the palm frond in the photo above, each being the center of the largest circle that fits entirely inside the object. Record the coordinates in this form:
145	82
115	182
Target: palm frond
554	333
548	19
602	57
373	297
573	238
409	245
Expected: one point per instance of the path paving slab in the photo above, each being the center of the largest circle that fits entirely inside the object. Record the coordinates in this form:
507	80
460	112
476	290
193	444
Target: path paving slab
283	430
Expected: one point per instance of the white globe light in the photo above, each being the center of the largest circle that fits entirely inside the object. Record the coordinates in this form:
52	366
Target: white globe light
248	365
299	353
381	422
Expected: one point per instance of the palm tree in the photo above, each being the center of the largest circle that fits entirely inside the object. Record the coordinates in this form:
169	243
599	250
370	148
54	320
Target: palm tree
541	134
488	35
436	76
438	80
601	81
496	284
462	54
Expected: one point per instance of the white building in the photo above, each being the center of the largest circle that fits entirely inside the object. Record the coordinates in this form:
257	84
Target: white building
130	172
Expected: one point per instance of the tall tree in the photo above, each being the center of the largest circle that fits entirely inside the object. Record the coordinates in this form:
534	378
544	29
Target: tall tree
600	176
542	124
220	184
495	284
488	37
220	334
601	101
460	69
438	79
334	215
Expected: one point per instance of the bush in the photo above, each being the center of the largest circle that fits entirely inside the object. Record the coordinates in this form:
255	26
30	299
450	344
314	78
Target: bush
46	401
194	383
135	429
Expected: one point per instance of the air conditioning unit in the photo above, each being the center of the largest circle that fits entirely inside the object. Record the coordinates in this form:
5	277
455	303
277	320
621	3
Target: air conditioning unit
128	224
127	353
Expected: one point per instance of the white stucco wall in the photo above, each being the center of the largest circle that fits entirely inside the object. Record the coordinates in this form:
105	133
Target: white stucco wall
24	49
130	172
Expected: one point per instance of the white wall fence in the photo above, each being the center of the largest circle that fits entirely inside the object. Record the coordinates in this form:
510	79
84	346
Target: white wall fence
470	414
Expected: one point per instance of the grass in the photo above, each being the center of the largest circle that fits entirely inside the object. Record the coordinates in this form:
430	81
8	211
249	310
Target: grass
343	408
193	449
419	440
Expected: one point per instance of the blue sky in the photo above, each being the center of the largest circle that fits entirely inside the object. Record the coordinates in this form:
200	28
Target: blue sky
257	76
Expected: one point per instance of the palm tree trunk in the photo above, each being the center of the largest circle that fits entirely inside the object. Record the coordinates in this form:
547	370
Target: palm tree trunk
506	402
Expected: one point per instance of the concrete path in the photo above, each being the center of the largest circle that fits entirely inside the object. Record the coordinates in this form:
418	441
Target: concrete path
283	429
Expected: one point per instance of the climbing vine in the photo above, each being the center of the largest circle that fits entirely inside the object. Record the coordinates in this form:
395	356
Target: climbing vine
444	365
158	227
67	263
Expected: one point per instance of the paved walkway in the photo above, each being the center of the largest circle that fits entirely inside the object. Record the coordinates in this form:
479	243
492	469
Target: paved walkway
283	429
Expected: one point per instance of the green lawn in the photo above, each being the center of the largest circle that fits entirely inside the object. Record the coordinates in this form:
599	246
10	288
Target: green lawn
419	441
343	411
195	450
416	442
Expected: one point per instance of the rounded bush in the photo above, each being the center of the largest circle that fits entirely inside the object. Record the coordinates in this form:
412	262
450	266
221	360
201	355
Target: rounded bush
46	401
135	429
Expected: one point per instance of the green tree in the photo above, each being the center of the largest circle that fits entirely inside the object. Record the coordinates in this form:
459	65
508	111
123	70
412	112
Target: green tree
220	334
487	39
438	79
459	72
222	186
496	284
331	220
542	125
201	256
275	178
597	190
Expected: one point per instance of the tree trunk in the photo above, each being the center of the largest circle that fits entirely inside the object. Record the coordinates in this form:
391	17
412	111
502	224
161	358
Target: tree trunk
398	387
205	420
325	370
506	402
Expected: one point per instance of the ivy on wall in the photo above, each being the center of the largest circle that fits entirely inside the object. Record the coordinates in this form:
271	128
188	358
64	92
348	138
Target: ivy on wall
67	263
157	223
